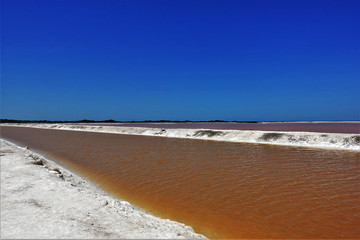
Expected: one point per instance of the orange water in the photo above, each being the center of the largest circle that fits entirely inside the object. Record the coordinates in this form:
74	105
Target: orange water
223	190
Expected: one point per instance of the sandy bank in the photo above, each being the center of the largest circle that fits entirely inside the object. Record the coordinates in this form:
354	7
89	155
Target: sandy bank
40	199
302	139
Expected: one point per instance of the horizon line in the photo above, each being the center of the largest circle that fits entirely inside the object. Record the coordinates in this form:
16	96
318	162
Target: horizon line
5	120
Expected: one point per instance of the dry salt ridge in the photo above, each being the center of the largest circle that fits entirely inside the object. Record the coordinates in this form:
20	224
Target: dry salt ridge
300	139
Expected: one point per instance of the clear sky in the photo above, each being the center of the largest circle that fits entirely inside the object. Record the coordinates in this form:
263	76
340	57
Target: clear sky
180	59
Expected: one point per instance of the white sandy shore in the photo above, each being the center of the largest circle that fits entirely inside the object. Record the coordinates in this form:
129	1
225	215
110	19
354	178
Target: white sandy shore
301	139
47	201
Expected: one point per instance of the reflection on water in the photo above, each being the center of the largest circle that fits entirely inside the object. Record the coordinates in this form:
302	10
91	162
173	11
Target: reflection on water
227	190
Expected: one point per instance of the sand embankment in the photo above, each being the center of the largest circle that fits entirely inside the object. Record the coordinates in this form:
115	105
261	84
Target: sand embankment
40	199
301	139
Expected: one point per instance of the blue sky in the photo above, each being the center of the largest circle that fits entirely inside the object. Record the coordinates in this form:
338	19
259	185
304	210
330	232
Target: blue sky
180	60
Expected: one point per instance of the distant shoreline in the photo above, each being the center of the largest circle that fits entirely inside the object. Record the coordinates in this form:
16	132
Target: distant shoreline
340	141
172	121
349	127
321	127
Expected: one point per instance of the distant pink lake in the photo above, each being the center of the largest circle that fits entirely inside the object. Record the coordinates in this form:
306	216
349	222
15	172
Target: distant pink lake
331	127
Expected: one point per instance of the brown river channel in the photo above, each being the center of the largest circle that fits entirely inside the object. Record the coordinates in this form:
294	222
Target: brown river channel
221	189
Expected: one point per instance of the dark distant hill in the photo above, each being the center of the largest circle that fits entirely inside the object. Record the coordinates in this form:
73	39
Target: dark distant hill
113	121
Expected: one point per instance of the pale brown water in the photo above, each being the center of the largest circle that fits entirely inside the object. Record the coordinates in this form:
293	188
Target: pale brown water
223	190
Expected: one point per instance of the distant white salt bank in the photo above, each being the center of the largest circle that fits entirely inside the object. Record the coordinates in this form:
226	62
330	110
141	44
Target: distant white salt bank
302	139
